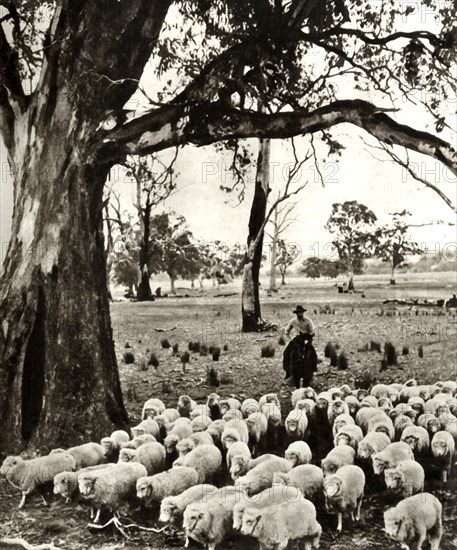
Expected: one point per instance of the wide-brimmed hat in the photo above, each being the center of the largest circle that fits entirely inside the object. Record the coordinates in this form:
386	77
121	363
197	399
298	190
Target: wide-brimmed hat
299	309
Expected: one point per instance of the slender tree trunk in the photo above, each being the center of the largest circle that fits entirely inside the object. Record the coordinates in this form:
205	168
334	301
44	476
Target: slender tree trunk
172	284
250	307
283	277
274	255
144	288
392	276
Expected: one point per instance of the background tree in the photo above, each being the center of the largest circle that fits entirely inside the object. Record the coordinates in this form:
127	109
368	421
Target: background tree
279	255
67	74
155	182
315	267
288	254
352	225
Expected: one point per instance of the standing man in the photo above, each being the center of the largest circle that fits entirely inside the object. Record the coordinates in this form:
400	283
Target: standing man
301	325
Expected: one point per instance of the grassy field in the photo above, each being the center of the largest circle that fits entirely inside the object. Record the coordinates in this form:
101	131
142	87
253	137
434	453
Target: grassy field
350	320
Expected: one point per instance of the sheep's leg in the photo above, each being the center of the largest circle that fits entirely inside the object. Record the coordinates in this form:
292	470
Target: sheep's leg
359	506
97	515
444	476
212	546
186	545
435	535
24	495
45	502
339	527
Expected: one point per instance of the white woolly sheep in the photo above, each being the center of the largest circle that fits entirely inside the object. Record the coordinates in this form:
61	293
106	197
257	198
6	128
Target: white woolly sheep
345	390
349	435
405	408
257	424
344	493
276	494
443	448
206	461
273	414
261	476
215	430
296	424
172	507
400	422
229	403
406	479
235	430
179	431
449	386
307	405
85	455
169	483
417	403
112	444
430	422
414	519
167	417
380	422
336	458
417	438
360	394
391	456
249	406
240	465
363	416
336	408
152	456
233	414
152	408
200	423
407	392
200	410
385	404
340	421
306	477
269	398
298	395
275	526
66	483
147	426
237	449
353	404
335	393
298	453
110	487
199	438
213	402
138	441
380	390
372	443
185	405
31	475
369	401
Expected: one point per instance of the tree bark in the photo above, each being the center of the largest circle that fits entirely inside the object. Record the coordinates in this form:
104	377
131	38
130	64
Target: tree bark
274	255
250	299
172	285
392	276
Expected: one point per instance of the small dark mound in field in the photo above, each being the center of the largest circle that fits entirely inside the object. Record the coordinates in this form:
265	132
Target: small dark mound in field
343	361
365	347
127	345
405	350
216	354
197	347
185	357
166	387
211	349
203	350
153	360
364	382
144	365
129	357
267	351
329	346
190	346
420	351
375	346
175	348
333	358
225	347
165	343
212	378
390	354
281	341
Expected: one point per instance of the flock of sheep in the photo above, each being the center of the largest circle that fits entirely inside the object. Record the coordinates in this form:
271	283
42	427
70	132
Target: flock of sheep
176	454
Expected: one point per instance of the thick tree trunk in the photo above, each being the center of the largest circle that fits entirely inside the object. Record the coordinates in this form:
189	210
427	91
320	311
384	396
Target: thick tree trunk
250	306
392	277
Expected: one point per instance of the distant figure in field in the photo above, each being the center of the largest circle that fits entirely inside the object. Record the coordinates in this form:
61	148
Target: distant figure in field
159	292
300	358
452	302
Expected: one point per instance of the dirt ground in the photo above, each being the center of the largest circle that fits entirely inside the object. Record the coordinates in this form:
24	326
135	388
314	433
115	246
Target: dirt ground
350	320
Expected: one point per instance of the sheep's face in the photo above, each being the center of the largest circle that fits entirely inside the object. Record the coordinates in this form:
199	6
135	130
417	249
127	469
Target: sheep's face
412	441
382	428
197	521
345	390
137	431
394	479
379	464
170	443
224	406
144	489
126	455
238	467
292	457
303	405
393	395
418	407
108	445
433	425
322	404
425	393
86	485
343	439
168	512
439	448
232	414
395	525
251	408
353	408
250	523
62	485
272	398
361	394
385	404
238	512
213	400
10	464
292	425
309	393
150	412
229	440
332	492
364	450
184	448
340	423
328	467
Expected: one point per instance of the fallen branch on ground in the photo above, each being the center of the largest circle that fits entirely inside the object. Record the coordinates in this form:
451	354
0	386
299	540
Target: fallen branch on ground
22	544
